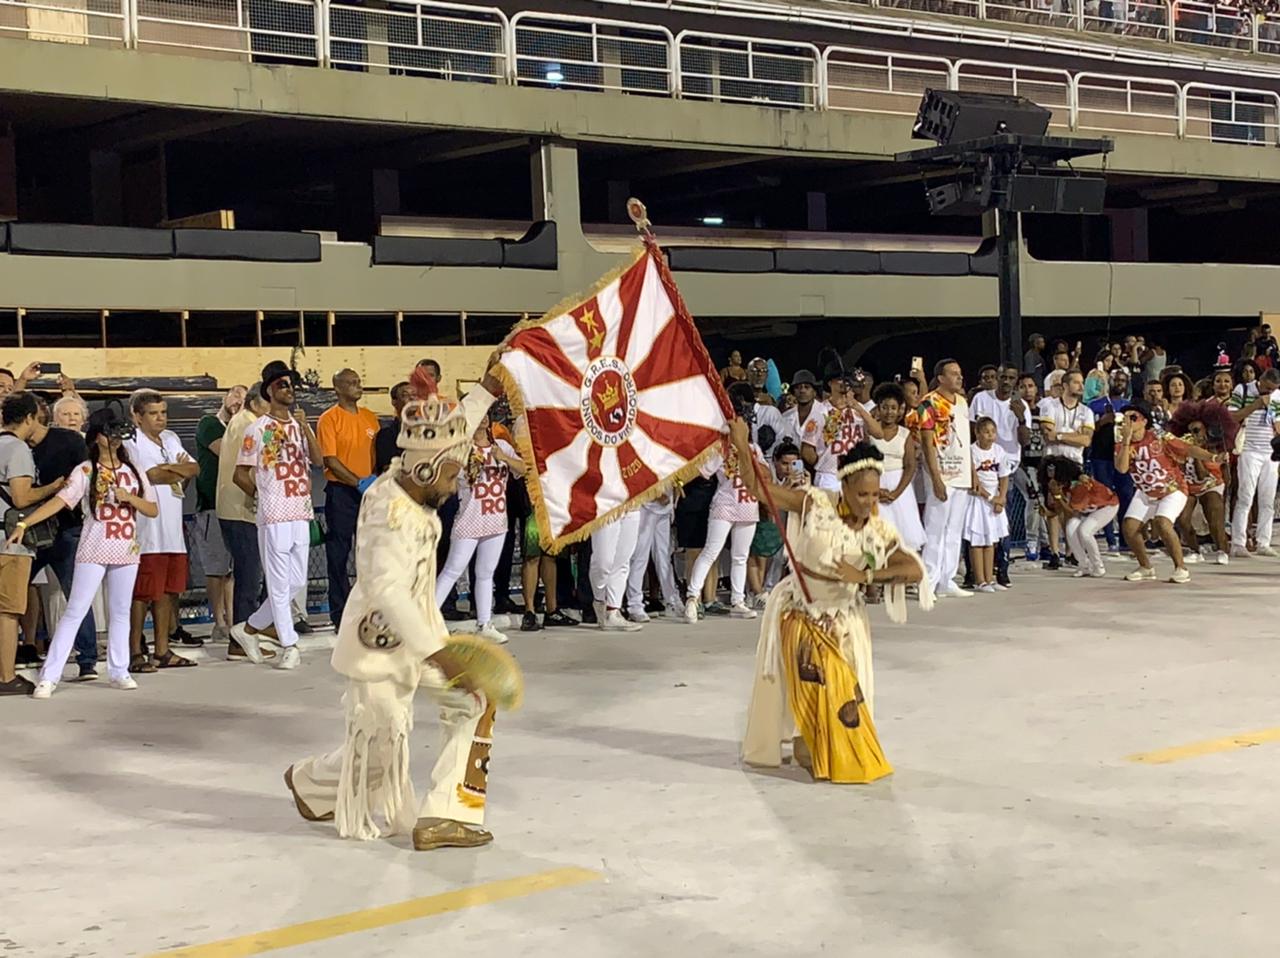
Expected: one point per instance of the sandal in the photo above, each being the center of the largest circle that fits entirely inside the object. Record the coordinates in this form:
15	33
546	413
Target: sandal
141	663
171	660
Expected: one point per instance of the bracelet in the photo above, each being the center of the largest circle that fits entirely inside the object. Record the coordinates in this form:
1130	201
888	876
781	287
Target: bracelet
20	524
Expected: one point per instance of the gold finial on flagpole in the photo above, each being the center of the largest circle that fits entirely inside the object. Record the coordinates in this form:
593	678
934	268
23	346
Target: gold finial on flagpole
640	216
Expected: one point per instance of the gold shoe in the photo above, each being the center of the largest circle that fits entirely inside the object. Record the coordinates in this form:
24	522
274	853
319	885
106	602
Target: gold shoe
303	810
432	833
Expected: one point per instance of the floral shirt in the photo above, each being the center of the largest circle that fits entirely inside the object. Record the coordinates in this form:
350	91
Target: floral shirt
110	533
948	420
278	453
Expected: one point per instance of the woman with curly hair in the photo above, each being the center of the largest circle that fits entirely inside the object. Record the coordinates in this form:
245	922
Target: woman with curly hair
813	660
1178	388
1206	425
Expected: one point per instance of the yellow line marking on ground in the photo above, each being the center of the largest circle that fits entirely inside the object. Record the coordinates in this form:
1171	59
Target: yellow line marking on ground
369	918
1196	749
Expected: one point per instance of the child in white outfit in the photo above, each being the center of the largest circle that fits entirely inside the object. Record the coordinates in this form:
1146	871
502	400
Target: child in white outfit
986	522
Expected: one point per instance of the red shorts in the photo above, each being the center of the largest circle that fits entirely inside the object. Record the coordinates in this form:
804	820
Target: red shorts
160	574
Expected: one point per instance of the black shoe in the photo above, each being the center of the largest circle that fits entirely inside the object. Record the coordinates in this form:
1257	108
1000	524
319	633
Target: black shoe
654	607
967	583
508	608
1071	561
453	615
303	627
28	655
181	636
87	673
1054	564
18	686
1004	581
559	620
530	623
589	617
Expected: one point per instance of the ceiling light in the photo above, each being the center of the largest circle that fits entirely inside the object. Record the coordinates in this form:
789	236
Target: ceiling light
713	221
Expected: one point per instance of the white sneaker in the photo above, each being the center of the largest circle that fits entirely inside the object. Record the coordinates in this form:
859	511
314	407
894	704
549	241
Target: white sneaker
640	616
1180	575
219	633
290	658
492	634
43	690
691	611
1141	575
1081	573
124	684
1190	558
614	621
1099	572
740	611
1240	552
989	588
674	611
1267	551
250	642
1222	558
955	592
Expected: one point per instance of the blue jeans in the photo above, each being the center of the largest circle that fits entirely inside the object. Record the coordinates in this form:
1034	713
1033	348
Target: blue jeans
61	558
341	509
1104	470
246	565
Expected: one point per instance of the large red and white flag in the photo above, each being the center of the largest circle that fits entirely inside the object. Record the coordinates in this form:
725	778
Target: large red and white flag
620	397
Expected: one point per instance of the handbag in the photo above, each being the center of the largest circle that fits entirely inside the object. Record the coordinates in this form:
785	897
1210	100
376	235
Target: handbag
36	537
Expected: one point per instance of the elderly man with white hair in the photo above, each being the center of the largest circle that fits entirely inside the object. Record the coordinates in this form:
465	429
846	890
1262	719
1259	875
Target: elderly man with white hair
70	412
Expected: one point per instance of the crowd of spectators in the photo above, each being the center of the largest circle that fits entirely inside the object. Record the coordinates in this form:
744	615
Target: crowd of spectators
1068	459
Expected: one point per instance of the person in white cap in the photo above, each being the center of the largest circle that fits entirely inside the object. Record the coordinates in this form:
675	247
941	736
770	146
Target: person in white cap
392	642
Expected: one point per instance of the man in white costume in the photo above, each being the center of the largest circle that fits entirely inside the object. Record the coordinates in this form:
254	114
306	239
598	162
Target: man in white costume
392	642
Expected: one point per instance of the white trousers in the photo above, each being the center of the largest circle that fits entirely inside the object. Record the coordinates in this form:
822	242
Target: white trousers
739	536
1257	481
1082	535
943	531
284	548
487	552
374	760
611	550
653	541
84	586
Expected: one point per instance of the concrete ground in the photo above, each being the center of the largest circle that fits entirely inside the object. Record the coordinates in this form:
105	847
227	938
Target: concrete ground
1015	825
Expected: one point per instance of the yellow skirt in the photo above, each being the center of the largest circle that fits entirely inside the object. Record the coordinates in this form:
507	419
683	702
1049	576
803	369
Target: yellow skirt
827	704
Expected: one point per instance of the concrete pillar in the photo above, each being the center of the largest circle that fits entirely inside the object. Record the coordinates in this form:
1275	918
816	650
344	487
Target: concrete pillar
106	187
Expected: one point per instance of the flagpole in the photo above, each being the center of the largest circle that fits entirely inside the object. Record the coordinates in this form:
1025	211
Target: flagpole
640	216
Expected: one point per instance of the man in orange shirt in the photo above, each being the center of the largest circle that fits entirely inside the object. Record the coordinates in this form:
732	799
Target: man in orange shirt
346	433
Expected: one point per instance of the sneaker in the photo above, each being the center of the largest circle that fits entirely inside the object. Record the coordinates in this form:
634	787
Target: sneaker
599	609
674	611
17	686
1222	558
1099	571
1113	551
290	659
43	690
1032	555
1240	552
220	633
717	608
124	683
1054	564
1003	587
1080	574
250	642
1267	551
1190	558
1003	581
653	607
88	673
988	588
558	620
691	611
1141	575
1072	561
955	592
529	622
303	627
493	635
741	611
181	636
641	617
614	622
589	616
1180	576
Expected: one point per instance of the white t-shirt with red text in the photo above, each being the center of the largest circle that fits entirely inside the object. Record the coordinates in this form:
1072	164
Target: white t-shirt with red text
732	502
281	463
838	431
482	505
110	533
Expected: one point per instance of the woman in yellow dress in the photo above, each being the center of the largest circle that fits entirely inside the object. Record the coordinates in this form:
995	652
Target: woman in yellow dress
813	661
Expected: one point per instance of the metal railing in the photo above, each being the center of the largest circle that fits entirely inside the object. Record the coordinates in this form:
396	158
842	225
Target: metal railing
451	41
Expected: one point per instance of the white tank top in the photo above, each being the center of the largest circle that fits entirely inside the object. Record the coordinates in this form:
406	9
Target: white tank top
894	450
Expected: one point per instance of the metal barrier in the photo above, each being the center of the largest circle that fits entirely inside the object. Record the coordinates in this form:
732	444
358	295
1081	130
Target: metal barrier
1229	115
1148	19
870	81
1211	24
735	69
445	41
1049	88
259	30
584	53
66	21
453	41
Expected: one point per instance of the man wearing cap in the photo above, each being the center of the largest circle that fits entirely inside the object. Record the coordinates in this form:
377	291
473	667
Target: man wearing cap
843	425
274	466
804	386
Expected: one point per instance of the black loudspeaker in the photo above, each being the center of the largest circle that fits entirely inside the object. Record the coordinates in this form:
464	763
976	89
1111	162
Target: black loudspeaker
957	199
950	116
1083	194
1028	193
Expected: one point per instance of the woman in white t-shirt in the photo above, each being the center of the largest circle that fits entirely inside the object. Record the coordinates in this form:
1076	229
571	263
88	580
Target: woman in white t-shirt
733	518
113	493
481	524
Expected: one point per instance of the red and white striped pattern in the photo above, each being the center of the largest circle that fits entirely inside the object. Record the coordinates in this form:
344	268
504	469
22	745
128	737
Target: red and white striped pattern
620	396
